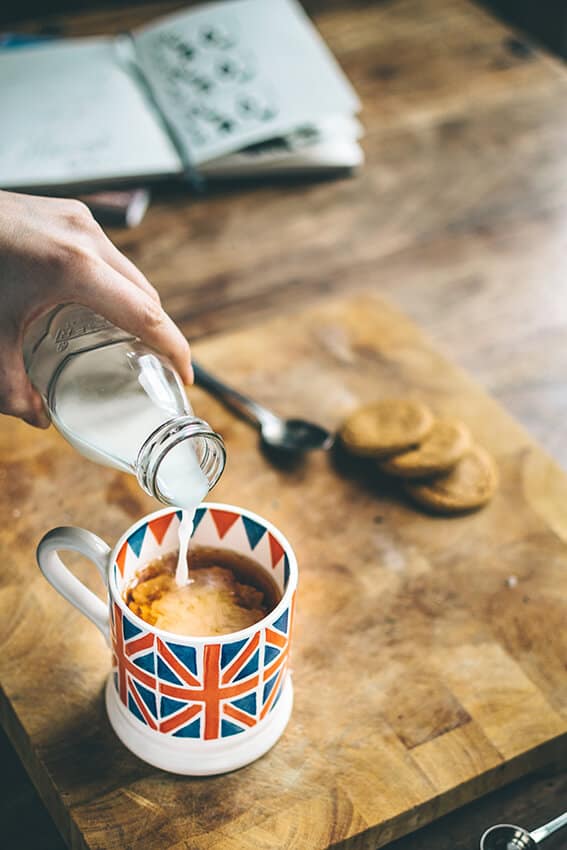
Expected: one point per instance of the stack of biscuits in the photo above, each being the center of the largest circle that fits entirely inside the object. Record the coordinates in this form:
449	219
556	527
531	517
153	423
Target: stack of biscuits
441	467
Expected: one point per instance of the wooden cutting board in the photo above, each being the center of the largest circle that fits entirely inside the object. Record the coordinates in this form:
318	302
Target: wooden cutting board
429	655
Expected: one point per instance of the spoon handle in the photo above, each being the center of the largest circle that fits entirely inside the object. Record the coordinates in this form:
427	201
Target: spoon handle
548	828
246	407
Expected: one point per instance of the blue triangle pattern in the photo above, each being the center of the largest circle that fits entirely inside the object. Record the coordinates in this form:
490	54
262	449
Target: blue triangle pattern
146	662
165	673
169	706
228	728
148	696
254	531
179	515
192	730
278	695
286	570
270	652
268	687
186	654
247	704
230	651
136	540
281	623
130	630
135	710
199	514
249	668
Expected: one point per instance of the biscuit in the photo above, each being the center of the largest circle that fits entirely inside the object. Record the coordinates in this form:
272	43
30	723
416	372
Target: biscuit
445	444
386	427
469	485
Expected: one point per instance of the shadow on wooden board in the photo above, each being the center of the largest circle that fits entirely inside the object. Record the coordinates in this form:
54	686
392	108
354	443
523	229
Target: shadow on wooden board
543	20
14	11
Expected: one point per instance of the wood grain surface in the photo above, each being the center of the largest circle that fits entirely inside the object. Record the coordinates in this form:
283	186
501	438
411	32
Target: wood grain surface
459	216
425	674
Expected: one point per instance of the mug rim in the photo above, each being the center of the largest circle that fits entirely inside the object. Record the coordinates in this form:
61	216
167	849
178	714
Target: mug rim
116	597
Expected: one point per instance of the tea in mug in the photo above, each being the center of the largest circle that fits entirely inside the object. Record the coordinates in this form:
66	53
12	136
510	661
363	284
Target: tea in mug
226	592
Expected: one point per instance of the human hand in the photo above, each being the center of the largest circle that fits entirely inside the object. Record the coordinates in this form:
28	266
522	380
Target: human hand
53	252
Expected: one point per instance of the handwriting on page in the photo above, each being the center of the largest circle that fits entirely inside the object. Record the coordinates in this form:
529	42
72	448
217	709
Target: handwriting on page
232	74
213	82
72	113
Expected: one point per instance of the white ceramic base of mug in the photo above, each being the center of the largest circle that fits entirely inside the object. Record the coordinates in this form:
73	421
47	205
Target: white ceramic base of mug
198	758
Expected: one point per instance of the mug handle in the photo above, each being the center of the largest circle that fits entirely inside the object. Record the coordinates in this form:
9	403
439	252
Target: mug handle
62	579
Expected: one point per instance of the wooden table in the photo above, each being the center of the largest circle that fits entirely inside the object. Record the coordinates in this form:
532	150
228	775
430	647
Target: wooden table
459	217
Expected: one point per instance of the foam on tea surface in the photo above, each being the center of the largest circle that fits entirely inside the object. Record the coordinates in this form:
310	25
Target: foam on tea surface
227	592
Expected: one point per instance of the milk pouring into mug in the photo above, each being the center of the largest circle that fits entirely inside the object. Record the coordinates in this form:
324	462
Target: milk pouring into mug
121	404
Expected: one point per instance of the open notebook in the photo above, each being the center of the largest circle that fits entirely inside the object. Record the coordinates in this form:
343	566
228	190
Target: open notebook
234	88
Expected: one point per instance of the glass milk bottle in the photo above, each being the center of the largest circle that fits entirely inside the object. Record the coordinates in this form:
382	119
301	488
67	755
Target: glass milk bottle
121	404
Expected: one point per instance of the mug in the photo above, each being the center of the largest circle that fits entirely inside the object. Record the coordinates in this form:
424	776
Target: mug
190	705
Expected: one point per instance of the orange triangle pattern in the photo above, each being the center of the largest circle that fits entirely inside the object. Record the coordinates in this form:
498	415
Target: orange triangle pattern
160	525
121	558
276	550
224	520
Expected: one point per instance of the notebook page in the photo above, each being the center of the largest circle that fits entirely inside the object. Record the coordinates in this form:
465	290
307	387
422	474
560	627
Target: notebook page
327	145
72	113
230	74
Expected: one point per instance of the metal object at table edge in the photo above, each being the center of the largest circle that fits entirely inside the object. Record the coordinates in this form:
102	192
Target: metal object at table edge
504	836
289	435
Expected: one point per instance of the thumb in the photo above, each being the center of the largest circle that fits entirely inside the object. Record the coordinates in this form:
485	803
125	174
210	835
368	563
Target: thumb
17	395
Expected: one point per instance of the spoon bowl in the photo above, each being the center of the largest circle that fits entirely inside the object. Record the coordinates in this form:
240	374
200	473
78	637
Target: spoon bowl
295	435
505	836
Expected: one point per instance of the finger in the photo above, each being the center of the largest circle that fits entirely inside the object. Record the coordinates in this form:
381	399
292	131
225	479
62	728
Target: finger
120	263
17	395
40	417
113	296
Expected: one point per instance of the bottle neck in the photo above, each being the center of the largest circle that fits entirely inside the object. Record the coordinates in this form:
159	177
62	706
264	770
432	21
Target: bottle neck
206	450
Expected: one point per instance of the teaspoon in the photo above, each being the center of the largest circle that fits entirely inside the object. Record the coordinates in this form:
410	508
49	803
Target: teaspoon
290	435
506	836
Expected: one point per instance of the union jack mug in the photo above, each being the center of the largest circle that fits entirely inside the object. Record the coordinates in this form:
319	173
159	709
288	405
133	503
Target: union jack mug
190	705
